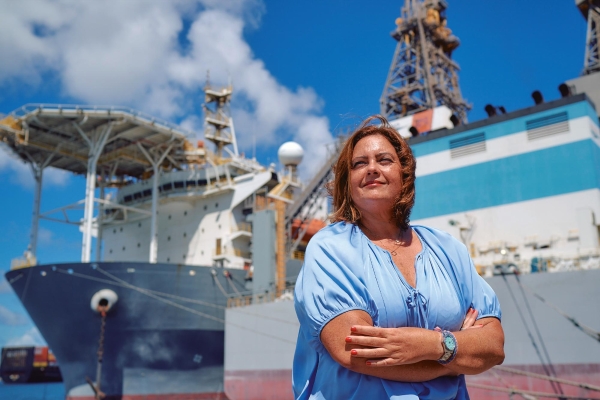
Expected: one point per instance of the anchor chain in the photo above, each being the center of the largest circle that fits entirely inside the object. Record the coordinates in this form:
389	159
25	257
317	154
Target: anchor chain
98	394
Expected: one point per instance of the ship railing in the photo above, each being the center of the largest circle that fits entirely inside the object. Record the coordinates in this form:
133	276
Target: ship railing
33	107
248	298
28	260
243	227
222	252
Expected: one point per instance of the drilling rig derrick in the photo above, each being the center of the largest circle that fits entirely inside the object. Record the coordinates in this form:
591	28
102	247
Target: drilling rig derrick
423	75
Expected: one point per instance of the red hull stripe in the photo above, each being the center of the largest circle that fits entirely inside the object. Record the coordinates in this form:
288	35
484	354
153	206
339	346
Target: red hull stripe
163	396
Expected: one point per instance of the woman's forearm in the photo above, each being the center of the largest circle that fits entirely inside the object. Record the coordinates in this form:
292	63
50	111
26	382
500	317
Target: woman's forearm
479	349
419	372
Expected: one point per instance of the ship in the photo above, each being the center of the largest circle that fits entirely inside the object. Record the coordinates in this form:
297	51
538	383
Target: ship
192	298
175	227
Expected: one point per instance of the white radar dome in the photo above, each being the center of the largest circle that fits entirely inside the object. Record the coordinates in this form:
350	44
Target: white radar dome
290	153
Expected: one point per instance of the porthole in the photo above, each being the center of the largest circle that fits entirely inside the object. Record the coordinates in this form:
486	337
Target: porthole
202	253
185	213
168	238
139	245
115	230
216	205
121	229
184	234
169	217
123	248
139	224
168	259
110	251
205	207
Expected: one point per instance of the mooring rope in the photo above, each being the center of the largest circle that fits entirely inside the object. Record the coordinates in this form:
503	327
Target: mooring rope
548	378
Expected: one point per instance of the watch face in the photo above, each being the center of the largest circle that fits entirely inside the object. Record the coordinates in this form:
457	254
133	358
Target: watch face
449	342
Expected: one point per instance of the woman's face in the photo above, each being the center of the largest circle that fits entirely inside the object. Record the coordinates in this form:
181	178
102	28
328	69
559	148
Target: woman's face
375	174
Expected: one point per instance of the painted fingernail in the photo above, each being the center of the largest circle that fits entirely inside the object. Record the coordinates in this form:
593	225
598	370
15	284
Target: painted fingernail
353	352
348	339
353	329
368	362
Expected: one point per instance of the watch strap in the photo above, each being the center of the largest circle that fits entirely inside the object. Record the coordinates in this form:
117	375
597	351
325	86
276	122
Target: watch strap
449	351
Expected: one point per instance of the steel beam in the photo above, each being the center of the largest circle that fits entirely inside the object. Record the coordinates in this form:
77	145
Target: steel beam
153	257
95	150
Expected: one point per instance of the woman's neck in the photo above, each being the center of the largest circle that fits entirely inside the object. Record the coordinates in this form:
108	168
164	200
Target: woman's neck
382	228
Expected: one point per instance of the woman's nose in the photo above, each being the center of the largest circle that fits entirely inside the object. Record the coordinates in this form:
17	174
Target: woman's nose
372	168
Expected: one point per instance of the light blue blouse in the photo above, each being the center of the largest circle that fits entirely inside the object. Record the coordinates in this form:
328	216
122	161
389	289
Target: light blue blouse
343	270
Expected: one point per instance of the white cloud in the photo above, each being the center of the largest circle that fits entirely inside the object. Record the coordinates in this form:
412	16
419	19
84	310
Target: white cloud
21	174
30	338
8	317
130	53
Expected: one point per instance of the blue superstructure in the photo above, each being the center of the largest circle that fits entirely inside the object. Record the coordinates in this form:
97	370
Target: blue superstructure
516	186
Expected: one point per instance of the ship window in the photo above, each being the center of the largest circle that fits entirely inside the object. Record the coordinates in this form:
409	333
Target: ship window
467	145
137	195
139	224
127	198
115	230
168	238
547	126
147	192
168	259
205	207
202	253
184	234
123	248
121	229
185	213
167	186
184	256
139	244
190	183
178	184
219	226
202	182
169	217
216	205
202	230
110	251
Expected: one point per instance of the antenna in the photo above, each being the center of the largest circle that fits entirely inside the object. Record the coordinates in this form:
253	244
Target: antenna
422	75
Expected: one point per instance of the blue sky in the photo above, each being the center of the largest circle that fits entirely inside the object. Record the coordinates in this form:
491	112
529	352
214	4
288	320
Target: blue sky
300	70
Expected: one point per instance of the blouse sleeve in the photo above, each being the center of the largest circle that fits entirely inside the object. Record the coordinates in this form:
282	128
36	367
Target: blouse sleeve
330	283
484	299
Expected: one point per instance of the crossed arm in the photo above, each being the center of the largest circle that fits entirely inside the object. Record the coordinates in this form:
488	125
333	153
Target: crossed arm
411	354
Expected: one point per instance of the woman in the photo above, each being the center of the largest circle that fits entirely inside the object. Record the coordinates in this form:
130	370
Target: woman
386	308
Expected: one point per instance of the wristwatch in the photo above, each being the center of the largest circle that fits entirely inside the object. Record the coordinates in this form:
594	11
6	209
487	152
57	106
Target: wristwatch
450	346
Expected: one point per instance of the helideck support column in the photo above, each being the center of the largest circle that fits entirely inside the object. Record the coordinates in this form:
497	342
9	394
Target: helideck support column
153	256
90	186
38	173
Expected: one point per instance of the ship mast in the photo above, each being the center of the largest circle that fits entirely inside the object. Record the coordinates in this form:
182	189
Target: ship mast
591	12
423	75
218	124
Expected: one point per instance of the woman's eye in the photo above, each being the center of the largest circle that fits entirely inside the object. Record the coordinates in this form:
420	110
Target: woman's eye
357	164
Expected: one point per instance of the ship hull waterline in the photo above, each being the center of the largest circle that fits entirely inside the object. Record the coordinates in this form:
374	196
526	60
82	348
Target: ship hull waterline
163	337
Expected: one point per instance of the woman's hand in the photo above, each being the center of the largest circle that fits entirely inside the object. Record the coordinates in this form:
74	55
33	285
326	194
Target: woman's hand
470	318
399	346
394	346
